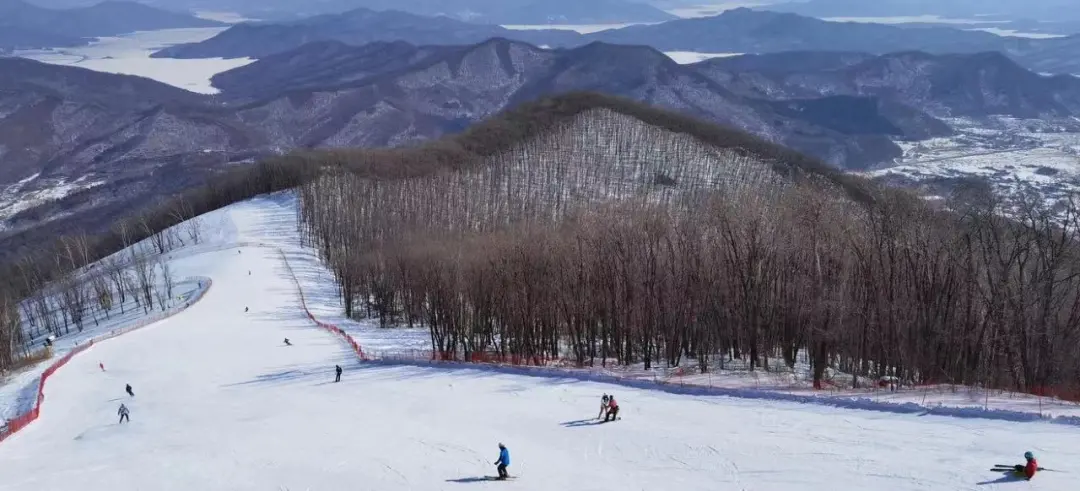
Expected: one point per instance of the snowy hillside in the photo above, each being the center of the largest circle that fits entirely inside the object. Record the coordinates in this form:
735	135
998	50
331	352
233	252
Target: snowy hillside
222	403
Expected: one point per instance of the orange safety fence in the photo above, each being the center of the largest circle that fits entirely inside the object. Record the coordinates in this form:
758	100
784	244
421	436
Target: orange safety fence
21	421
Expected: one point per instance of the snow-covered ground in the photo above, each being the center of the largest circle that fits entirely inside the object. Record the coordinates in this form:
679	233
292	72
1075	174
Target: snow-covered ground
130	54
19	389
1009	153
29	192
221	403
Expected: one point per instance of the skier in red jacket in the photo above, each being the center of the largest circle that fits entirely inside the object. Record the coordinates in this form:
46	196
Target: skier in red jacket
613	409
1028	470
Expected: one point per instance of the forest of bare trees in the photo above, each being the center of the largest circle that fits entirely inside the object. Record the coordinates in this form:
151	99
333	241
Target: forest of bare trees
605	241
668	242
83	296
51	288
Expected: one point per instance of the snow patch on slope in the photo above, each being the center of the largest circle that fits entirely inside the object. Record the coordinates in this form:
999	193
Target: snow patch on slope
31	192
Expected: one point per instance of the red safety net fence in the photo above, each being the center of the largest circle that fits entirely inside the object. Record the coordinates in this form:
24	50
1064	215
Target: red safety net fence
21	421
325	325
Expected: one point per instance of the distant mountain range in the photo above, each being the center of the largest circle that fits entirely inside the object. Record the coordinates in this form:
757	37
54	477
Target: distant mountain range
968	85
355	27
24	26
1047	10
115	140
734	31
531	12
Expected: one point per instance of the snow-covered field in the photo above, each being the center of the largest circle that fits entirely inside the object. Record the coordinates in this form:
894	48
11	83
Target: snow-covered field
19	389
1009	153
130	55
221	403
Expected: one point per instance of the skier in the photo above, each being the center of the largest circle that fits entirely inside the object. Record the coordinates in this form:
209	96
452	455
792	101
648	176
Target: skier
123	412
337	369
102	365
129	391
603	406
287	343
613	409
245	309
1027	470
503	462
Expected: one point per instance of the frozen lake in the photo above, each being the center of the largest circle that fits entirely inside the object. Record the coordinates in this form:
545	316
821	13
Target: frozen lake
130	55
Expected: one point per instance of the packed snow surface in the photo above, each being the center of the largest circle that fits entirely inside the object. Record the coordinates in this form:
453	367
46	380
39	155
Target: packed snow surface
222	404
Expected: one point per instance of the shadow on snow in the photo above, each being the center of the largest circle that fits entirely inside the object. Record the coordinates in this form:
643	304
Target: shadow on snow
1009	476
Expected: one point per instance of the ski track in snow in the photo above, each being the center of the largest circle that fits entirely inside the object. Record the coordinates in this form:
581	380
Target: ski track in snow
221	404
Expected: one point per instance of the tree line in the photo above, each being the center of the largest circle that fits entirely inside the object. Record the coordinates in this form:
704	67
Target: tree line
64	283
648	236
603	240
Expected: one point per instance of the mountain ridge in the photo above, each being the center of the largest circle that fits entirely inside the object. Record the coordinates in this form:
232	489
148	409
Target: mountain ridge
738	30
24	25
843	108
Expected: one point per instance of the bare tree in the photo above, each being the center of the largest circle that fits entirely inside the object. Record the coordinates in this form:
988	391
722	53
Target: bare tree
103	292
145	276
164	295
115	270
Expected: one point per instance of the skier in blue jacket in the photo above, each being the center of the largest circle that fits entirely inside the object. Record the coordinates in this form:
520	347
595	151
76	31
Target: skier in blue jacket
503	462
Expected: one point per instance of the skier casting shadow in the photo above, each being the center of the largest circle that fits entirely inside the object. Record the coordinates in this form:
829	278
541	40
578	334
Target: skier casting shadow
503	462
1018	472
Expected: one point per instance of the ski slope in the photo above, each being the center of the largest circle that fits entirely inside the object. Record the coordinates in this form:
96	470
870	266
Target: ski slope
221	404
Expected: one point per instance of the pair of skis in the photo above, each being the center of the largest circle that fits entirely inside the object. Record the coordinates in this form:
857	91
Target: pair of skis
1012	468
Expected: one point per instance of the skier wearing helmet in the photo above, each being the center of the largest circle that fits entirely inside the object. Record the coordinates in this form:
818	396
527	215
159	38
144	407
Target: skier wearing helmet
1029	469
603	406
503	462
